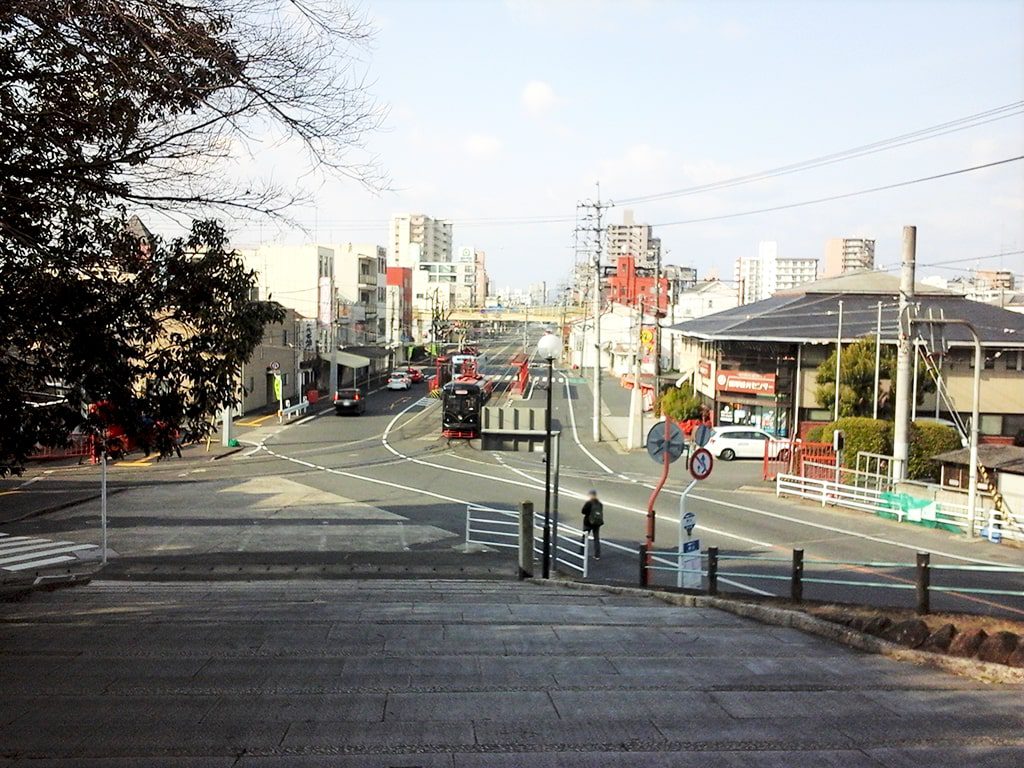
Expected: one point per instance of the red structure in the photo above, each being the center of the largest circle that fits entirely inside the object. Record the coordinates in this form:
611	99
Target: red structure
628	284
401	277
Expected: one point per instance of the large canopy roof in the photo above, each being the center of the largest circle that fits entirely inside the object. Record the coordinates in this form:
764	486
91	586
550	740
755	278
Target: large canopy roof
810	314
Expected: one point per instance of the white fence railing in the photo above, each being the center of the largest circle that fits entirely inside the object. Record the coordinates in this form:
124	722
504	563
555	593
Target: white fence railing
492	527
569	546
499	528
289	413
900	506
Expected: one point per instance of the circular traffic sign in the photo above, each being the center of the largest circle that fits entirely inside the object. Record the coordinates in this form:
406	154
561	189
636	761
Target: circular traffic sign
658	444
701	435
701	463
275	366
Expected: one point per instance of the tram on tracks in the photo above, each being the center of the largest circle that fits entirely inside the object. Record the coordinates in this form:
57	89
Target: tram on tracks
463	398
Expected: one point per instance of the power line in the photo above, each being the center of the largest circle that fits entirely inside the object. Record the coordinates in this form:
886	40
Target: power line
960	124
843	196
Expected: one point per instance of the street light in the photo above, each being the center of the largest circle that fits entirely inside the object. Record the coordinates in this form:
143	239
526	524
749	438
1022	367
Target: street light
549	347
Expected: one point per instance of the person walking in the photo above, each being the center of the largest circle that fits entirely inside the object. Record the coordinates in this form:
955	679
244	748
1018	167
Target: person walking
593	519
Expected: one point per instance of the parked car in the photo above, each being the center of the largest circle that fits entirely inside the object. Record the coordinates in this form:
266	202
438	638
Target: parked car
399	380
350	400
415	374
728	443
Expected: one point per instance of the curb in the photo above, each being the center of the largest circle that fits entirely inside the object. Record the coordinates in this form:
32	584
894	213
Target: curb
59	507
981	671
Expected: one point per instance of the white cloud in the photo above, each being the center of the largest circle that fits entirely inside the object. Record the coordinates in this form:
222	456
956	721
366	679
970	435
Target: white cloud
481	145
538	97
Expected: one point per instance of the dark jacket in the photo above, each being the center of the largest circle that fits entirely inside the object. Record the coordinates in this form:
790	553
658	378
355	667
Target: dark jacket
588	524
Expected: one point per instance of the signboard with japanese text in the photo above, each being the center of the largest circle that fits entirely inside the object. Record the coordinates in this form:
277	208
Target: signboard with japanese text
746	382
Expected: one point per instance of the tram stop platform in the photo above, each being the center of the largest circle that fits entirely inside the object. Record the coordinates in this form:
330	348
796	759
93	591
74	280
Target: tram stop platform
461	673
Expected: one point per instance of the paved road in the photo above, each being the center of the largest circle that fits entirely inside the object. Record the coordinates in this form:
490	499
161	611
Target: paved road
388	674
384	492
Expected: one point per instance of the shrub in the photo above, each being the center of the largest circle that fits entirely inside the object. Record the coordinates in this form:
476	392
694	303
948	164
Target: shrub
861	434
815	434
679	403
926	440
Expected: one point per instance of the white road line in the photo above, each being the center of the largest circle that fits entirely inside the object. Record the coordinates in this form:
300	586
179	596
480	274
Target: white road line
4	562
31	480
42	544
18	541
40	563
576	434
307	419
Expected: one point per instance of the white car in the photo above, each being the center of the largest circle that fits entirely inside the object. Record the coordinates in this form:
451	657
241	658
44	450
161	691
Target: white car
728	443
399	380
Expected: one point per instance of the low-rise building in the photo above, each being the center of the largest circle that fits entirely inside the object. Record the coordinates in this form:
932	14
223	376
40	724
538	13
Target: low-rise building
757	363
284	349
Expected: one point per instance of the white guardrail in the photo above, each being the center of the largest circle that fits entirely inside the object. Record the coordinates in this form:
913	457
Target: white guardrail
884	502
299	409
499	528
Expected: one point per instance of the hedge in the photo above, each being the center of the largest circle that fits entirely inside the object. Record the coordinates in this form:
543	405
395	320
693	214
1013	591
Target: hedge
876	436
926	440
861	434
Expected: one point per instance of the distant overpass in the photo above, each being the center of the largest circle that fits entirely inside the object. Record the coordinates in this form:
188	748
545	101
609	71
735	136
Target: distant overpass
550	315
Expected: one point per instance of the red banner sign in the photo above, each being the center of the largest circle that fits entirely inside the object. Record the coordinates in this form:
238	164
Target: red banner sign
746	382
704	369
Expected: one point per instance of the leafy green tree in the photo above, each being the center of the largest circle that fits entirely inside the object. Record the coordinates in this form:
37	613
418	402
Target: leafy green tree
107	105
856	379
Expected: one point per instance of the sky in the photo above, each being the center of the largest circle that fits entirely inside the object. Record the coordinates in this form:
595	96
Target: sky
512	109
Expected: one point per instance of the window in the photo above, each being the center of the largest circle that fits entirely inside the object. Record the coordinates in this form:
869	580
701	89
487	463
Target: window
284	337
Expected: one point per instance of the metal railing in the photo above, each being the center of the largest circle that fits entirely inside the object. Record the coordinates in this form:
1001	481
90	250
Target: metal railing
499	528
570	547
289	413
923	568
491	527
885	503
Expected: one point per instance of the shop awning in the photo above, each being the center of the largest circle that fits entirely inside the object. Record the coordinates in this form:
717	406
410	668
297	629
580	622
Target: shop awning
352	361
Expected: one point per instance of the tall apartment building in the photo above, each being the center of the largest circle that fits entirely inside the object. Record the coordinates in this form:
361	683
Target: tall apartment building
789	273
470	277
848	254
994	279
632	239
424	245
433	236
360	277
758	277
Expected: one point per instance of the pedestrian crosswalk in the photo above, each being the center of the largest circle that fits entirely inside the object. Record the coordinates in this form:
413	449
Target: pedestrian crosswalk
28	553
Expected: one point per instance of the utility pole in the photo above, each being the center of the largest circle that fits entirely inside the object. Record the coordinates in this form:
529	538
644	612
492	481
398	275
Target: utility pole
636	395
878	360
592	226
657	323
839	360
901	431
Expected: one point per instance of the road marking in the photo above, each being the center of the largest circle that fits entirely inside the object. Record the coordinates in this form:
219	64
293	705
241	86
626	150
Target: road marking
306	420
145	461
31	480
20	553
256	422
576	434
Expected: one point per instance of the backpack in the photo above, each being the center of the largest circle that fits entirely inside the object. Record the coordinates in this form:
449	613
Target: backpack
596	514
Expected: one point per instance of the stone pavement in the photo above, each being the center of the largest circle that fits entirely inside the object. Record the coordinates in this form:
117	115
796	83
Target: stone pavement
459	674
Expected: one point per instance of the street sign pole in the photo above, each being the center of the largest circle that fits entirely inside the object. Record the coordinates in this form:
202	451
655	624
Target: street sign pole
687	520
666	461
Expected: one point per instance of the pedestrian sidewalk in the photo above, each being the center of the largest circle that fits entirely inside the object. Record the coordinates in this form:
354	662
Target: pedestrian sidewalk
463	674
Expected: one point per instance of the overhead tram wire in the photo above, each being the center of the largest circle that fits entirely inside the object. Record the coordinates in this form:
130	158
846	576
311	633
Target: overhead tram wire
843	196
971	121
